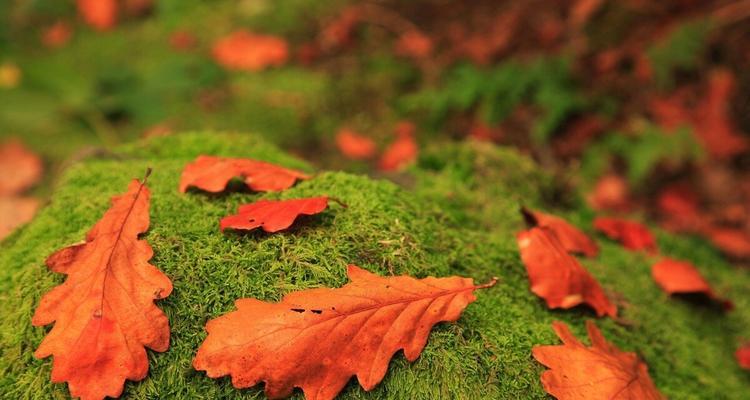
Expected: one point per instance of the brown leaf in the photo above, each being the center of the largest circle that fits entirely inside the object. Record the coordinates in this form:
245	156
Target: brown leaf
680	277
20	169
243	50
14	212
317	339
557	277
104	313
212	174
273	215
601	371
571	238
632	235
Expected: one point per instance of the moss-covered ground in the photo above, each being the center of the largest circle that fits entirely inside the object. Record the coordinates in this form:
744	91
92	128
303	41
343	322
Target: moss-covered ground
456	213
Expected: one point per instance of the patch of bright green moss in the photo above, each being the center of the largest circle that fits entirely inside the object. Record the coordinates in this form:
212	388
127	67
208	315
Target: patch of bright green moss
458	216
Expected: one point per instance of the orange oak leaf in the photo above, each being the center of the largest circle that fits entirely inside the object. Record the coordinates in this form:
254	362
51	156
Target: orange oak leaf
104	313
247	51
212	174
680	277
354	146
19	168
631	234
558	277
600	371
273	215
571	238
743	356
99	14
318	339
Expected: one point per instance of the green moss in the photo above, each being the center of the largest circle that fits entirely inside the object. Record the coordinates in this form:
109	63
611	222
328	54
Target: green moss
458	216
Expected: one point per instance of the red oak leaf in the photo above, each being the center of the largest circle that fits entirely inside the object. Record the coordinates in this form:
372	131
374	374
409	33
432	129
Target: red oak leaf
273	215
243	50
104	313
99	14
632	235
317	339
601	371
558	277
680	277
355	146
212	174
743	356
571	238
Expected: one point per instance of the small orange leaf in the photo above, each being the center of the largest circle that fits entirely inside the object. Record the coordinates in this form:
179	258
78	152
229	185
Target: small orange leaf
104	313
632	235
99	14
601	371
14	212
212	174
273	215
743	356
414	44
19	168
733	242
611	192
243	50
557	277
571	238
680	277
318	339
402	151
355	146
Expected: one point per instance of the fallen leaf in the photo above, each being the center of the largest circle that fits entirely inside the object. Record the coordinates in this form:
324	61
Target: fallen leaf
273	215
558	277
679	208
14	212
317	339
212	174
20	168
611	192
733	242
713	122
10	75
414	44
570	237
99	14
600	371
402	151
104	313
355	146
743	356
631	234
680	277
183	40
339	32
57	34
246	51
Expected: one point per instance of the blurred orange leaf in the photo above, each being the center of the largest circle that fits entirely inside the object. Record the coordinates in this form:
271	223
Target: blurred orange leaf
355	146
571	238
247	51
680	277
99	14
631	234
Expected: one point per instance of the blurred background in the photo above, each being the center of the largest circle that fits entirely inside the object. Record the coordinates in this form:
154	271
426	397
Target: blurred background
642	105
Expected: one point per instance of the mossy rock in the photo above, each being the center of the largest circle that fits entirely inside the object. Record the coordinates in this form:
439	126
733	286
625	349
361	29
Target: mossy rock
457	216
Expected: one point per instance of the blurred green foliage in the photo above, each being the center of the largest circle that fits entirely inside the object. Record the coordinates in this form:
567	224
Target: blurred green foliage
681	50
